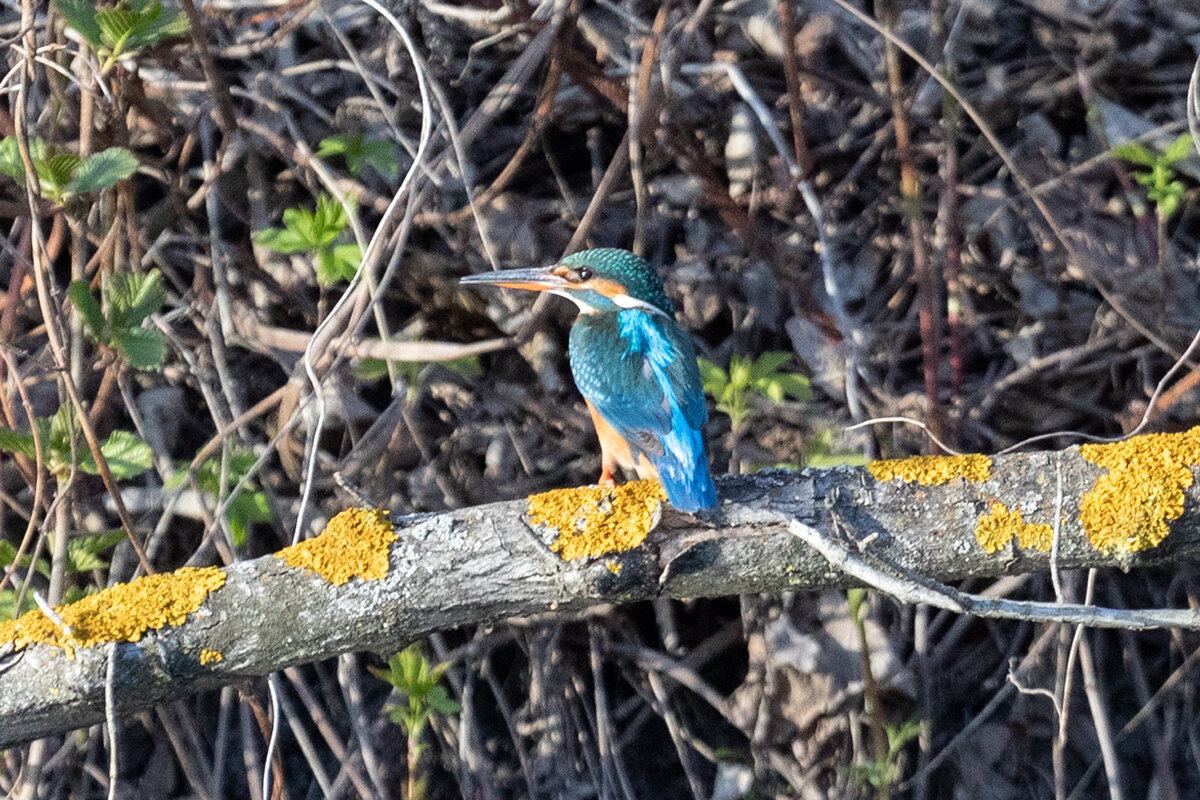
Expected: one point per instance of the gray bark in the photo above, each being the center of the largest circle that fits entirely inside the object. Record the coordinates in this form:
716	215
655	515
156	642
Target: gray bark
484	564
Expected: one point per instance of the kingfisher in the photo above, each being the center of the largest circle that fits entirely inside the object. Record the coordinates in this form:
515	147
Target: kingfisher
634	366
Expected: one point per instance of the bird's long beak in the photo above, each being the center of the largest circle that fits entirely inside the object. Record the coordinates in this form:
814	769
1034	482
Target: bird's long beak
537	279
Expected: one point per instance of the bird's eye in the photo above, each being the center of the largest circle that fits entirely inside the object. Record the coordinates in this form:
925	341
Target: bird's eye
584	273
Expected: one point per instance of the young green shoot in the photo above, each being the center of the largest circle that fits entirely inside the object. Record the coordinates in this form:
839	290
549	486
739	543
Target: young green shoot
319	232
63	176
115	319
121	30
419	684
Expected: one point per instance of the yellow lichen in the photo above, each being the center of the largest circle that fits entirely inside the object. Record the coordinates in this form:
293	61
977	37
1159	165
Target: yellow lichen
210	657
120	613
595	520
355	543
1129	507
933	470
1001	525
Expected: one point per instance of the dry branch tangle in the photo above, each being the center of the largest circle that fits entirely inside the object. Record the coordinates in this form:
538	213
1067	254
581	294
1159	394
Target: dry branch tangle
484	564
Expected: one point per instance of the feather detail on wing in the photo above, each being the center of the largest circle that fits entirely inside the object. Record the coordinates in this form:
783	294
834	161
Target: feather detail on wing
639	371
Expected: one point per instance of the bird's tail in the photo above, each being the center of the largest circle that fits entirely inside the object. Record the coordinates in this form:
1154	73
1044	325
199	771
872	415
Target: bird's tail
683	471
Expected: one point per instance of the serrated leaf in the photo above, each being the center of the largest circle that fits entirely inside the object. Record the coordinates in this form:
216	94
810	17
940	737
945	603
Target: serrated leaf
61	424
126	454
104	170
345	262
382	154
10	160
81	295
712	377
282	240
131	297
16	442
1178	150
143	348
341	145
83	552
739	371
328	221
81	15
8	604
144	295
769	363
116	24
155	23
1134	153
57	170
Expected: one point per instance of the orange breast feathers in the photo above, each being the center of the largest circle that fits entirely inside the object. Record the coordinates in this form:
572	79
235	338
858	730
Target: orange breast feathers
616	452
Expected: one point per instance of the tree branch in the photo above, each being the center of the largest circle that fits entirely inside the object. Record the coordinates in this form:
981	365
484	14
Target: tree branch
486	563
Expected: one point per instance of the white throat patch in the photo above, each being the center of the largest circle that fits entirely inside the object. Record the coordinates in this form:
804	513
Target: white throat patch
625	301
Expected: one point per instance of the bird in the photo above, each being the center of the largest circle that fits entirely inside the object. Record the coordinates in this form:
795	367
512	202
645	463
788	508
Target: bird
634	366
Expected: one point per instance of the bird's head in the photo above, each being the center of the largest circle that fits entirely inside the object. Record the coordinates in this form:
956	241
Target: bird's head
598	281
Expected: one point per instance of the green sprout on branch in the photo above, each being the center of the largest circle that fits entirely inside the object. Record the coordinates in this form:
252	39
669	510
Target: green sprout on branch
736	390
247	507
127	455
317	232
419	683
115	320
1157	173
360	153
62	175
121	30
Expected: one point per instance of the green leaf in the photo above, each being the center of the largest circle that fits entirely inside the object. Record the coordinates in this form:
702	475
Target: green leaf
1178	150
739	371
89	307
62	425
8	604
466	366
156	23
341	145
246	508
117	24
441	702
81	15
10	159
282	241
712	377
370	369
792	384
302	222
104	170
57	170
769	363
138	296
345	261
15	442
83	552
329	220
143	348
1134	153
126	454
383	155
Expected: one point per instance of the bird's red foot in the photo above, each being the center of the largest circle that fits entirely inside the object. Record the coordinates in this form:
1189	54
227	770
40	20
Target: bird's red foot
606	478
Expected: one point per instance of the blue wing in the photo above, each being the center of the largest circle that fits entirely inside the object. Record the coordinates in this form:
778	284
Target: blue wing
639	370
